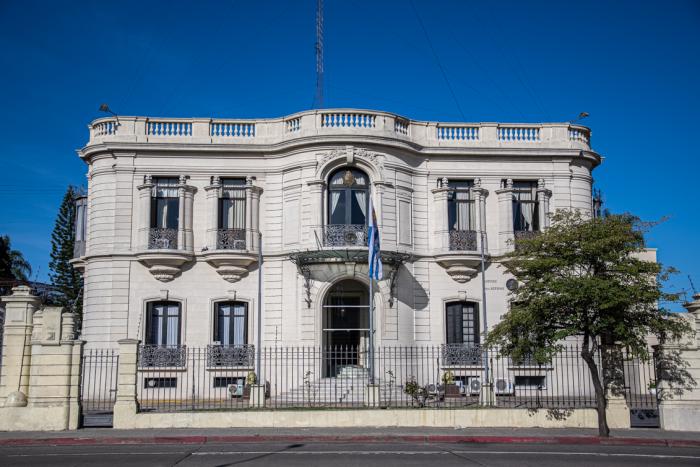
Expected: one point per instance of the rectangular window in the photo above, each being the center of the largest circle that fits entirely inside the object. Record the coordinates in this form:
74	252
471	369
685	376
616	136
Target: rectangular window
462	321
224	381
163	324
165	203
232	204
152	383
525	207
530	381
460	206
231	324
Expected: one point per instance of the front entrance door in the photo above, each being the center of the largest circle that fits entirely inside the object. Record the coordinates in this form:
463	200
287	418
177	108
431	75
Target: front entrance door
345	327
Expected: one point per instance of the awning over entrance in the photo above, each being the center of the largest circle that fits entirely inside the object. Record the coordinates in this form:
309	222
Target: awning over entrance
305	260
355	255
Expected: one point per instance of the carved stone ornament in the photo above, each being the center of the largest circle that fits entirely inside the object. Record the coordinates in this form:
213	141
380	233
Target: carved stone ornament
164	265
362	153
461	268
230	265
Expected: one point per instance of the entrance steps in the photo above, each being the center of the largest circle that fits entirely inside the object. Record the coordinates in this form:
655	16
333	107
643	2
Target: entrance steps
346	389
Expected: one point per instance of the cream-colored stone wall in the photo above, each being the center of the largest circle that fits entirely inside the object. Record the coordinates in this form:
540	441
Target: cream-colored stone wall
292	203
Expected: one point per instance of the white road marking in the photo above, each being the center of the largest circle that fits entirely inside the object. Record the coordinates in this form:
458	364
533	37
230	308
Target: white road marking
362	453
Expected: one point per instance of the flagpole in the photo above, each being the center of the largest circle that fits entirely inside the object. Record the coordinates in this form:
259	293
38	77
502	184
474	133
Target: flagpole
371	331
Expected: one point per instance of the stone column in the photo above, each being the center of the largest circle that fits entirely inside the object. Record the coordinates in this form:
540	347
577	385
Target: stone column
543	195
249	234
316	188
255	193
681	412
505	217
213	192
181	243
16	346
441	229
479	195
189	211
126	406
144	222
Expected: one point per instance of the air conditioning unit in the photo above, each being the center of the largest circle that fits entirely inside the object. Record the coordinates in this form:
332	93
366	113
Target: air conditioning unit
474	386
236	389
504	387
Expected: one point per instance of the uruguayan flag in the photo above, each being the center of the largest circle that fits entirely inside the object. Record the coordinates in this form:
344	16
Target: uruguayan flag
375	260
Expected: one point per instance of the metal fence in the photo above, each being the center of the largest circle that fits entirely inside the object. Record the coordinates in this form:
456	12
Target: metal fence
448	376
98	386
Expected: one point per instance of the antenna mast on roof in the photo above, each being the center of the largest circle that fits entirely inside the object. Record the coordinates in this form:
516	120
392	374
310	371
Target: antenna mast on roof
319	53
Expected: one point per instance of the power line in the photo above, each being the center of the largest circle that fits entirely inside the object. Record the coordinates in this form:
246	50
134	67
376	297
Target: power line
437	59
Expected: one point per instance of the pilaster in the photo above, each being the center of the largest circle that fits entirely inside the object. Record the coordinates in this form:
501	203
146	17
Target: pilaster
213	192
442	231
543	196
505	217
316	188
144	225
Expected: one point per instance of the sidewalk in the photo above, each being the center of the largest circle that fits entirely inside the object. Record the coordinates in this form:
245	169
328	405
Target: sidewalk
97	436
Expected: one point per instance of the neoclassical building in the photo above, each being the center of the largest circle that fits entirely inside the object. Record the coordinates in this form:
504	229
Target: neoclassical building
180	211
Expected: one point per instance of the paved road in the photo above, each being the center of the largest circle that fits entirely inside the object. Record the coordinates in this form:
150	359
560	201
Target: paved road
347	454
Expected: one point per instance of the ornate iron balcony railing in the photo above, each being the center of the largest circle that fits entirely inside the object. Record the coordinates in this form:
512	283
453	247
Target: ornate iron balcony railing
463	240
231	355
230	239
158	356
462	354
340	235
162	239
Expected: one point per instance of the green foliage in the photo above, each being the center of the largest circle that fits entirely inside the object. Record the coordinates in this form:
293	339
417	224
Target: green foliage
417	393
64	277
586	278
13	265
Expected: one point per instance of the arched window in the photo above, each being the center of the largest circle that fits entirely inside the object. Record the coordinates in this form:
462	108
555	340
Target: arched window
163	324
348	197
231	323
462	323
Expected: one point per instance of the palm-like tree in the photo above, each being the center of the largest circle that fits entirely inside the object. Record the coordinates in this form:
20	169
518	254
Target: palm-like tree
13	265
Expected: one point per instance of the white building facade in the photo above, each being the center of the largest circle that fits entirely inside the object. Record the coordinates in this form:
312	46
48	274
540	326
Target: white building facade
179	211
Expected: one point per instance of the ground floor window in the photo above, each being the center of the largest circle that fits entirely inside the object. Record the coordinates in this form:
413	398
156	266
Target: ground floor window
231	323
163	324
462	323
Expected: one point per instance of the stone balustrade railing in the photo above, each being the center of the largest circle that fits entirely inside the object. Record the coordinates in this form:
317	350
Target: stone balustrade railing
337	122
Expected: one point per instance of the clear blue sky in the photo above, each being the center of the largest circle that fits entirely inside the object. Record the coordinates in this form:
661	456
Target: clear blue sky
634	66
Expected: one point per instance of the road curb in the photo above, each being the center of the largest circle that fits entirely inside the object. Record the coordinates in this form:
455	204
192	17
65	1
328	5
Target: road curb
461	439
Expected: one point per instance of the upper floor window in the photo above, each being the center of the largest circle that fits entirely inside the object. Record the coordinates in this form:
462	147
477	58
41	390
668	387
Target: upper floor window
163	324
460	206
231	323
462	323
232	204
525	207
348	197
165	203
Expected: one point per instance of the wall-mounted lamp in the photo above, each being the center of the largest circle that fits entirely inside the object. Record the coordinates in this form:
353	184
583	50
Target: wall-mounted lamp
105	108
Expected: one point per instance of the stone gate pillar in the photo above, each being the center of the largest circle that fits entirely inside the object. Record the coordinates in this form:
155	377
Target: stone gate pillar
16	346
682	412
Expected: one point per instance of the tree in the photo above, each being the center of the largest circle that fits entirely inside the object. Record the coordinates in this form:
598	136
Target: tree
584	278
64	277
13	265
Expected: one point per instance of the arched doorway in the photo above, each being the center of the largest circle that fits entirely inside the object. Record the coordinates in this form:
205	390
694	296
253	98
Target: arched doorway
345	318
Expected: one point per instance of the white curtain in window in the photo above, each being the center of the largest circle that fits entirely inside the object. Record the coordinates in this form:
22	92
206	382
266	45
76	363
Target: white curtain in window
335	198
527	208
173	325
464	220
163	215
239	324
360	178
361	198
338	178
